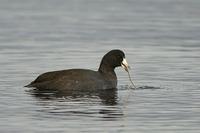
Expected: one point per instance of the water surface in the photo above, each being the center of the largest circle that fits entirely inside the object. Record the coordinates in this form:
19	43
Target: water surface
161	42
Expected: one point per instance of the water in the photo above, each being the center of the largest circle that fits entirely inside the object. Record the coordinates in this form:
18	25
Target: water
161	39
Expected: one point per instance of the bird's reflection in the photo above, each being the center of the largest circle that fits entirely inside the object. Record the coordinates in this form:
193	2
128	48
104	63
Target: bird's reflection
108	100
108	97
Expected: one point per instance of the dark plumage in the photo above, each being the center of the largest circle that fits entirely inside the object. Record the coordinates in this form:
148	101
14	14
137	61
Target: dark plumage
83	79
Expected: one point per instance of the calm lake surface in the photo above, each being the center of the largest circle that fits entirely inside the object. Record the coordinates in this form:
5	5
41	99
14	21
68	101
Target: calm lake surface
161	39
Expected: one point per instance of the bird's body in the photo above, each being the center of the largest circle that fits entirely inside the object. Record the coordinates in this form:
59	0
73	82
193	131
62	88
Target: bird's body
83	79
75	79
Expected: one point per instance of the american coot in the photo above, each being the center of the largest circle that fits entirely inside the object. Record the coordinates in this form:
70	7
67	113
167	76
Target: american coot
84	79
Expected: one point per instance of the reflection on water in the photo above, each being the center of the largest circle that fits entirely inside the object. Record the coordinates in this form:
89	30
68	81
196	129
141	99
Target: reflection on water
127	87
149	87
65	102
107	97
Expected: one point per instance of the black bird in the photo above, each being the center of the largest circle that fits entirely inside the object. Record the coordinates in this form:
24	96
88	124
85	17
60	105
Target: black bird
84	79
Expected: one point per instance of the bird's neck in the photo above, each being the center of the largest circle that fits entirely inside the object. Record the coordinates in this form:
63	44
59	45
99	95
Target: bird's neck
109	74
106	69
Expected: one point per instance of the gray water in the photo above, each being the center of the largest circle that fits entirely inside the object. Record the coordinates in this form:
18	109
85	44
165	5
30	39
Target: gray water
161	39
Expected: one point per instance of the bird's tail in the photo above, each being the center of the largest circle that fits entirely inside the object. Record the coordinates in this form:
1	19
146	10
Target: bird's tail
29	85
